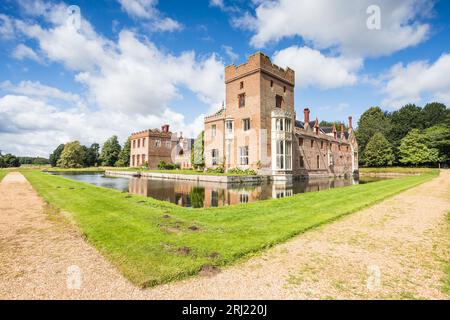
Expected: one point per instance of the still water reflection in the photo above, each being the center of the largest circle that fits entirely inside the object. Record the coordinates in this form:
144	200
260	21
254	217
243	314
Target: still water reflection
209	194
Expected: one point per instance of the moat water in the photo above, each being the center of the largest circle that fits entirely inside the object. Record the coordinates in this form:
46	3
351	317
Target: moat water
207	194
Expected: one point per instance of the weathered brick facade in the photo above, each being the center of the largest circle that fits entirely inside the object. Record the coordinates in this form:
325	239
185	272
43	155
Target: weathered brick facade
257	128
149	147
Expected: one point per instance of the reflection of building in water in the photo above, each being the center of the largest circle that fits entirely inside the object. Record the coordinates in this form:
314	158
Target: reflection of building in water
282	189
209	194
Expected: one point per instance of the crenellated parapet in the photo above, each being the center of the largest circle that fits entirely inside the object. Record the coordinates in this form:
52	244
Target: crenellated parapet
259	62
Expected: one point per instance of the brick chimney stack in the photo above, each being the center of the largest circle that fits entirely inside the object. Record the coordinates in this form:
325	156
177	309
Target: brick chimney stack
316	126
334	131
165	128
350	124
306	117
342	131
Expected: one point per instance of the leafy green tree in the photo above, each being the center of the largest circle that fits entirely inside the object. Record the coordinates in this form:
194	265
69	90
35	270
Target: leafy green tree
197	154
414	151
402	121
124	156
92	155
438	137
434	113
378	151
110	152
72	156
372	121
56	155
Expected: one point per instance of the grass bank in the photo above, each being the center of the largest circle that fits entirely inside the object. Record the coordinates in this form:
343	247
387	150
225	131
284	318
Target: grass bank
3	173
153	242
402	170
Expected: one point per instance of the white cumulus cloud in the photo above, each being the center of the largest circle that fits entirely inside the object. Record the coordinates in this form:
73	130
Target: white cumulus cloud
315	69
146	9
339	24
22	52
409	83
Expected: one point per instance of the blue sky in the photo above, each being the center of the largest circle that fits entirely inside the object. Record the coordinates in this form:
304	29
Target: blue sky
136	64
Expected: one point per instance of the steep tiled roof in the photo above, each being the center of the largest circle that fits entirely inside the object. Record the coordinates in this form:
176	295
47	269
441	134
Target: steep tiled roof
301	124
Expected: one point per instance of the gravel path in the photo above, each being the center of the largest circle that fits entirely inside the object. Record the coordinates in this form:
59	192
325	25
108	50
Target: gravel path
392	250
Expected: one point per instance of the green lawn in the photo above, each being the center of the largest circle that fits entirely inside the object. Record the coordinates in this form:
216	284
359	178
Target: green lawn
403	170
153	242
3	173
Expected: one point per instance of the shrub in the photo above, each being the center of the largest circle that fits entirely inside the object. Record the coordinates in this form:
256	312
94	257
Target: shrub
162	165
215	170
237	171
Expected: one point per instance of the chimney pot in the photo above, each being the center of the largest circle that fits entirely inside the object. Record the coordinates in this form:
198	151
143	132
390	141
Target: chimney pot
342	131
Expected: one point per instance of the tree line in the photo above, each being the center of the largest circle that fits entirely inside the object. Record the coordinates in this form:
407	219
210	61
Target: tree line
9	161
75	155
410	136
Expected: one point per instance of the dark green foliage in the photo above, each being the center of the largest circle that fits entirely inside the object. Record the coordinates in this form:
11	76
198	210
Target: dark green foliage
162	165
402	121
396	125
372	121
124	156
34	160
110	152
438	137
435	113
9	161
54	157
92	155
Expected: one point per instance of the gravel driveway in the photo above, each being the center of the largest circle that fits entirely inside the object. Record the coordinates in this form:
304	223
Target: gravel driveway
394	249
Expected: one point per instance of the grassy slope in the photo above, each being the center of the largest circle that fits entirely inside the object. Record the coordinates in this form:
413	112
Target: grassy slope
146	246
3	173
403	170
